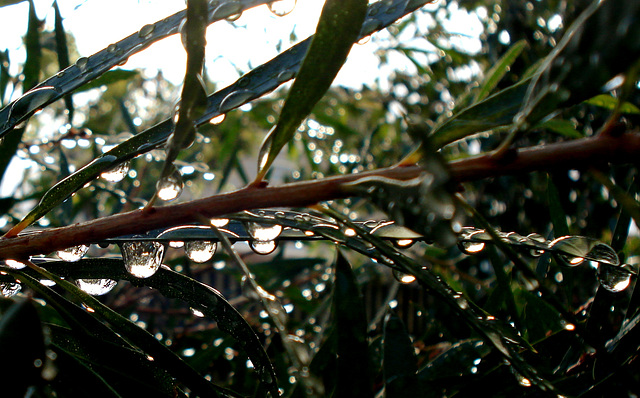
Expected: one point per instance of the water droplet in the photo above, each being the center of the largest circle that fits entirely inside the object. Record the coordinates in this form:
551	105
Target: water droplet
9	289
369	26
263	232
218	119
234	100
112	48
263	247
73	254
96	287
523	381
403	278
470	247
142	259
176	244
285	75
82	63
219	222
200	251
403	243
196	312
32	101
614	279
14	264
571	261
230	11
117	173
170	187
146	31
281	8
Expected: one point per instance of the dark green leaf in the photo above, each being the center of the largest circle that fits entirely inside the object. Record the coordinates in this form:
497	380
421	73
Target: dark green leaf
337	30
353	367
399	364
497	72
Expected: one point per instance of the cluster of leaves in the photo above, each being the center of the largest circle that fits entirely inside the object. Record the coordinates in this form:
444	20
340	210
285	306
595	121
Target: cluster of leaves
385	292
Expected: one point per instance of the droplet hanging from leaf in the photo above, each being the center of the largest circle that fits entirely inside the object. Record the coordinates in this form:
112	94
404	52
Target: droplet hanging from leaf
200	251
117	173
142	259
281	8
170	187
615	279
73	254
96	287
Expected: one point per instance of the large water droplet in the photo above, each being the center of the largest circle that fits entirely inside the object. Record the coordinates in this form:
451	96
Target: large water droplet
146	31
32	101
403	278
142	259
200	251
14	264
230	11
263	247
234	100
219	222
615	279
112	48
263	232
470	247
73	254
281	8
82	63
117	173
96	287
170	187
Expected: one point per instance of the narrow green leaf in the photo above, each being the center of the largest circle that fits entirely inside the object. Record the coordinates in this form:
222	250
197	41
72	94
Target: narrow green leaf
62	49
127	371
563	127
557	213
193	102
400	364
497	72
142	338
495	111
338	28
4	3
353	367
606	101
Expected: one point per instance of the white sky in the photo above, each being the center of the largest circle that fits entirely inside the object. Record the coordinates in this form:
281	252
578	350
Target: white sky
252	43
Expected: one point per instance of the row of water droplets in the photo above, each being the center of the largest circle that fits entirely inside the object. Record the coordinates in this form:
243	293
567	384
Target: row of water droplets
571	251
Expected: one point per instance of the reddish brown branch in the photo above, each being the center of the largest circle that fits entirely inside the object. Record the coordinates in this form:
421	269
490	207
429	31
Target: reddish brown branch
572	154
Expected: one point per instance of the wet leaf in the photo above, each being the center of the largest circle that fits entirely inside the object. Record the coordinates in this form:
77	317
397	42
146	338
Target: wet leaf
576	249
496	111
353	367
144	339
193	101
337	30
62	51
540	320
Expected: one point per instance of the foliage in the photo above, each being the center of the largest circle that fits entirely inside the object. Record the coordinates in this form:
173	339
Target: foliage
471	227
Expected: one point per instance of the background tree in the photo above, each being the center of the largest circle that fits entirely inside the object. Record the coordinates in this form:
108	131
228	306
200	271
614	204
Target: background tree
470	227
